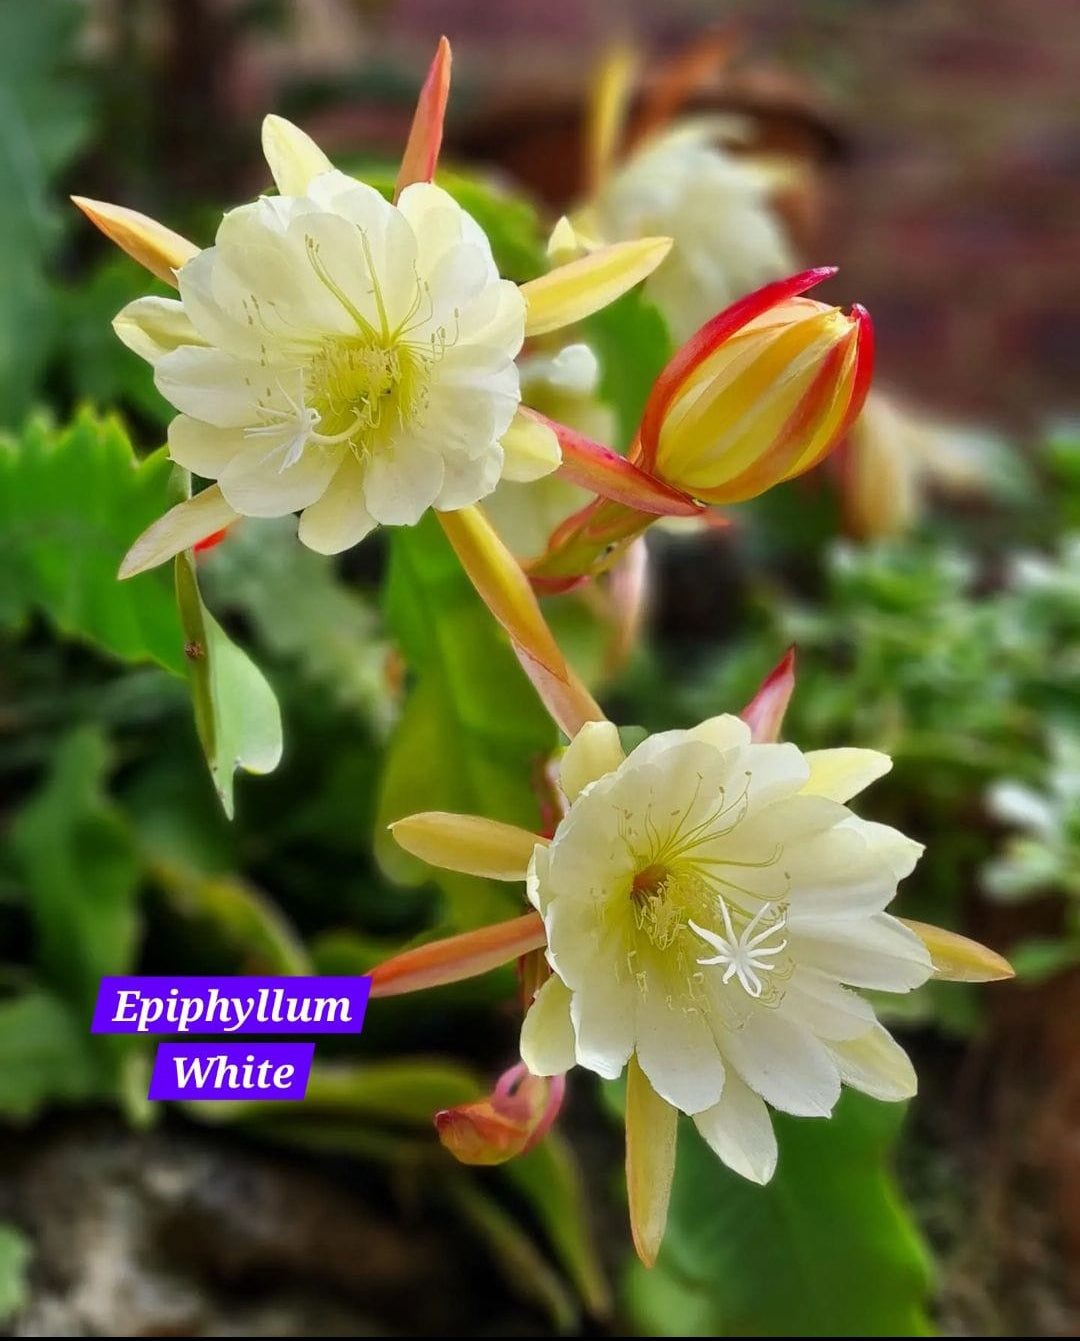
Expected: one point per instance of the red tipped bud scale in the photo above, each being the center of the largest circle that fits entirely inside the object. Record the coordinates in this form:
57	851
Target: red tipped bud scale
743	407
508	1122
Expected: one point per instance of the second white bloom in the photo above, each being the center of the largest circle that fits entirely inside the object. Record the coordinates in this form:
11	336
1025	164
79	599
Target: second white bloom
709	903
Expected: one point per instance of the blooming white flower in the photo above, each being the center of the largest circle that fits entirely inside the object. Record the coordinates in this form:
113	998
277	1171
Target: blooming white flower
728	240
709	902
338	354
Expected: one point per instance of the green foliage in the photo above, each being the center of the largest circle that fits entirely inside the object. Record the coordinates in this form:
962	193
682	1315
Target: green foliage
44	116
473	732
332	634
78	858
633	344
14	1259
71	502
824	1250
44	1059
236	713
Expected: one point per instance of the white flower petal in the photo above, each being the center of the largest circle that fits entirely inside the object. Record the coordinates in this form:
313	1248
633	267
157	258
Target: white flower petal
400	486
875	951
202	448
876	1064
849	870
153	327
738	1128
213	386
258	483
468	479
676	1048
338	519
842	774
531	450
547	1034
823	1005
604	1016
594	751
783	1062
293	157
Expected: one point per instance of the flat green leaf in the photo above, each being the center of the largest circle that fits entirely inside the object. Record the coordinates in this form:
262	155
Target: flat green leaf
548	1176
826	1249
473	733
15	1252
45	1057
236	713
71	502
237	914
403	1092
78	858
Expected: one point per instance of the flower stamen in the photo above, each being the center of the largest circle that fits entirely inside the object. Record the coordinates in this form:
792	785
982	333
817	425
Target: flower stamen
745	955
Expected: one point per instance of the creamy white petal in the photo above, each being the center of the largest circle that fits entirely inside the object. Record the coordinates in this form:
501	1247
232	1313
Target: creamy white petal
468	479
259	483
202	448
339	518
875	951
849	870
153	327
547	1034
594	751
213	386
843	773
677	1050
876	1064
823	1005
400	485
738	1128
604	1016
784	1063
293	157
531	450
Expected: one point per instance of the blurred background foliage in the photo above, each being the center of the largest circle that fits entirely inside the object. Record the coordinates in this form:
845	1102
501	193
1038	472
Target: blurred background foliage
953	646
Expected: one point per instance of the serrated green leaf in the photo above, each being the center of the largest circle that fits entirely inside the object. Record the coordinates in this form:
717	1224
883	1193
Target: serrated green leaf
71	502
15	1255
825	1249
236	713
45	1057
78	858
473	732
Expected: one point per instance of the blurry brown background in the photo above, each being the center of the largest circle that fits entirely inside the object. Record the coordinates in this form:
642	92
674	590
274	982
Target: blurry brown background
947	131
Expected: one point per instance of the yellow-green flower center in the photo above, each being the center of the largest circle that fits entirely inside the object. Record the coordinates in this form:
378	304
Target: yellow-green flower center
363	391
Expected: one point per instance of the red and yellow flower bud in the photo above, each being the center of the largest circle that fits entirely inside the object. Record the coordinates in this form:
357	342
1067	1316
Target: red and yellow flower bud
759	395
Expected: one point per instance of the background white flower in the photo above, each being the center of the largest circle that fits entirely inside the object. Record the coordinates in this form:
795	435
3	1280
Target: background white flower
709	902
341	355
728	238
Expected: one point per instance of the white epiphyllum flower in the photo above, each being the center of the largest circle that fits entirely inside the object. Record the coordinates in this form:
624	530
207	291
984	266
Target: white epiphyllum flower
341	355
346	357
728	239
709	903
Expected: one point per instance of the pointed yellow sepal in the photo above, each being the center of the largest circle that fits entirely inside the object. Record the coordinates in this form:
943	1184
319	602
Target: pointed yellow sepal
652	1128
957	958
154	246
577	290
467	843
182	527
458	957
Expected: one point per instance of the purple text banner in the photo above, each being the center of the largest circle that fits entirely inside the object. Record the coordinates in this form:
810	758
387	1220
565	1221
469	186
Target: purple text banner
231	1005
231	1070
